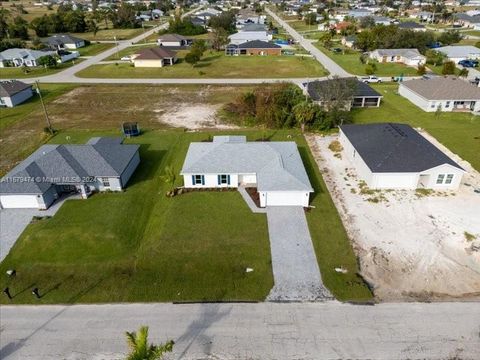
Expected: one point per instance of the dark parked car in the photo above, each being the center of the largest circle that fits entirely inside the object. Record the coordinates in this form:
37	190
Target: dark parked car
468	63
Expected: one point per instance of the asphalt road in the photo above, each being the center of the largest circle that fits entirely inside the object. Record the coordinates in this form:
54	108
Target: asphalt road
329	64
329	330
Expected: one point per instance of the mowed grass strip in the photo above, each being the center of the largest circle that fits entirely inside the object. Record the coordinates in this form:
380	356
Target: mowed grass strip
38	71
94	49
459	132
214	65
140	245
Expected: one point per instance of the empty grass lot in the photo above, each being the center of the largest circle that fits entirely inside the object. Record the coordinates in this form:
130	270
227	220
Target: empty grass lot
141	246
460	132
19	73
350	61
109	34
215	65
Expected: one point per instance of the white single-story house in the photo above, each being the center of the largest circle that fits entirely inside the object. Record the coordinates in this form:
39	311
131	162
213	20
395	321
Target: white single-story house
459	53
444	93
410	57
323	92
274	168
64	41
16	57
154	57
396	156
99	165
173	40
14	92
242	37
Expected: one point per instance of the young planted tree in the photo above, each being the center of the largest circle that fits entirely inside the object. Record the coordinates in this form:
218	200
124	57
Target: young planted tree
219	38
304	112
47	61
140	349
421	70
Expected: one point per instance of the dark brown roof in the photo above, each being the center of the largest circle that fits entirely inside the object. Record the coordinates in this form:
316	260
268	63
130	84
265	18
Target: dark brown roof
172	37
12	87
155	54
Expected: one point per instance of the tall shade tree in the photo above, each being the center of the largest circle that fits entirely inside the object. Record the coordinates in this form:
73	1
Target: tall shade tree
140	349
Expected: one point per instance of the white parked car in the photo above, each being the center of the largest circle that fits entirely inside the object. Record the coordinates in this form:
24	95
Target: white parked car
371	79
125	58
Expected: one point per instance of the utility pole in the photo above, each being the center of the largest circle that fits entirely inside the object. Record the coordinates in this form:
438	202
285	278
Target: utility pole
49	125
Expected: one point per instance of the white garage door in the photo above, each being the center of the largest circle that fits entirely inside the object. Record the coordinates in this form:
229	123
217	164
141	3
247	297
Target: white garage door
287	198
396	181
19	201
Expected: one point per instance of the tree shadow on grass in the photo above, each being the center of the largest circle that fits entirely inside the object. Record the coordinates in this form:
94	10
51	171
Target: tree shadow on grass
14	346
150	161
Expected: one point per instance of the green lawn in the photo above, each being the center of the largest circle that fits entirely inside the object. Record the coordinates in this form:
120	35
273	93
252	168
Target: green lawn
94	49
142	246
215	65
300	25
19	73
350	61
471	32
460	132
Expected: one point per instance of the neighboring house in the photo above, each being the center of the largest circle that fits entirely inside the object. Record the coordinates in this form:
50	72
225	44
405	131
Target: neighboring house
64	41
395	156
22	57
458	53
14	92
382	20
341	26
442	93
359	13
199	21
154	57
322	92
101	164
410	57
255	27
174	40
410	25
274	168
255	47
245	36
466	20
349	41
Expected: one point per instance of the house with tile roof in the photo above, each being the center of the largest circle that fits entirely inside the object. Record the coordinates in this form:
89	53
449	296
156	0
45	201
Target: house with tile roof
447	93
99	165
275	169
14	92
396	156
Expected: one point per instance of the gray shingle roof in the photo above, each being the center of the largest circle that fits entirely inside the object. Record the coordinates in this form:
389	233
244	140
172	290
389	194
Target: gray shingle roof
394	148
407	53
278	165
258	44
410	25
62	39
443	88
57	164
12	87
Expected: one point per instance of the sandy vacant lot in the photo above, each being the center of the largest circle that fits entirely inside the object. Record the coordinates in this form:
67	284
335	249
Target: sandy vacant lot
411	246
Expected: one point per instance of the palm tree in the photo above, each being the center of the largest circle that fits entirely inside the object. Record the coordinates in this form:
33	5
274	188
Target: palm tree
141	350
304	113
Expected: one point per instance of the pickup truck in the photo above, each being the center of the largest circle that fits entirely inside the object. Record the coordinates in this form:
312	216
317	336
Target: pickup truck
370	79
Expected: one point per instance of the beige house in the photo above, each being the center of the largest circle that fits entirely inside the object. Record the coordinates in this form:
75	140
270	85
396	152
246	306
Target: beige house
154	57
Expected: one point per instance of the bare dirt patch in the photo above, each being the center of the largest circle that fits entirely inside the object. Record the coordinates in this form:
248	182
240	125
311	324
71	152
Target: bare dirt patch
193	116
410	247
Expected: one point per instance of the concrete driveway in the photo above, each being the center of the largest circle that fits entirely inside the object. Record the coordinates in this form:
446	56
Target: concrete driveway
295	268
14	221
